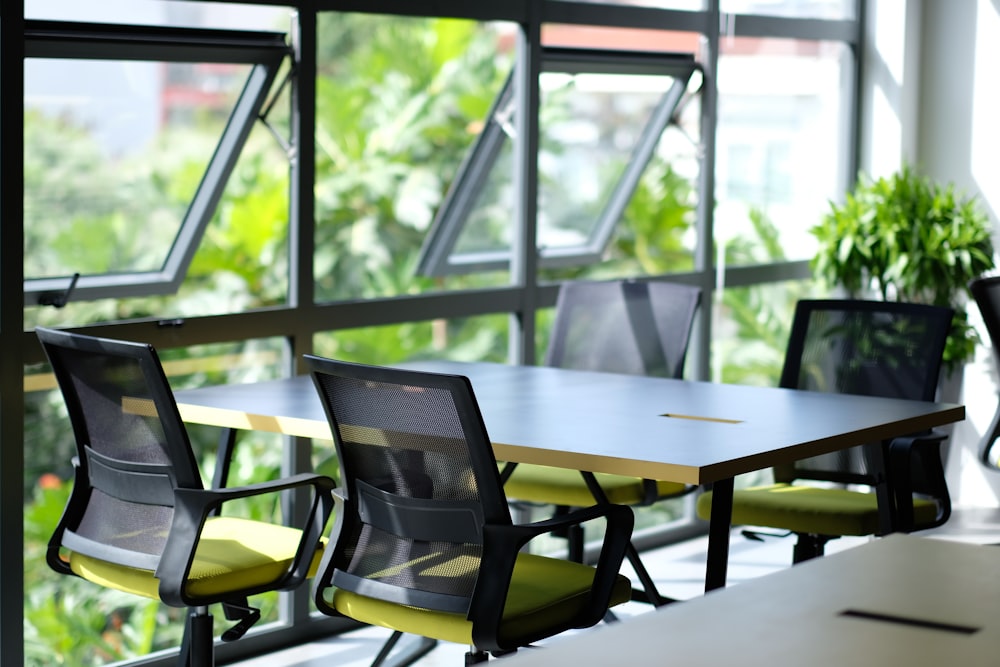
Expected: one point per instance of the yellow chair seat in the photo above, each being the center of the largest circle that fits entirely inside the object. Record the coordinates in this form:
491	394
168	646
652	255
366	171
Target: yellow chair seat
560	486
232	554
809	509
543	592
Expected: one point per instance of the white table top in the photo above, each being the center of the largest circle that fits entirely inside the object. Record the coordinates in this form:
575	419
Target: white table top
611	423
899	600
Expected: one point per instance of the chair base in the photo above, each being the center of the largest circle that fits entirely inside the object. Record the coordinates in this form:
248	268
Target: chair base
810	546
807	546
420	647
647	594
198	645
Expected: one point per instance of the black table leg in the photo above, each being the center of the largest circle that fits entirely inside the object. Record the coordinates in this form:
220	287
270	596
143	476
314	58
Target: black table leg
718	534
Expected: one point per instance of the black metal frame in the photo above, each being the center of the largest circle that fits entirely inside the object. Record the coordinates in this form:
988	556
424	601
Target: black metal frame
302	318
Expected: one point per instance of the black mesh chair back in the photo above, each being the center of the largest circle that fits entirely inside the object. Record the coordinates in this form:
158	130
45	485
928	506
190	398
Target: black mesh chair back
628	327
986	292
132	449
424	542
422	478
139	519
636	328
868	348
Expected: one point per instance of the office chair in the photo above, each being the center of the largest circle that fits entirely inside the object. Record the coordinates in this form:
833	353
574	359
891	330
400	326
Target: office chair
986	292
635	328
869	348
139	519
424	543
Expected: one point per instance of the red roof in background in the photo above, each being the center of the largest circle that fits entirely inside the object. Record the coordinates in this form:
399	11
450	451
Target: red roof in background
631	39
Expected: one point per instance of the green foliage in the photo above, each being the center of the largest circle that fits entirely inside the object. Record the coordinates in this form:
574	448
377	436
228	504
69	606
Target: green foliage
905	238
395	114
658	216
399	102
759	317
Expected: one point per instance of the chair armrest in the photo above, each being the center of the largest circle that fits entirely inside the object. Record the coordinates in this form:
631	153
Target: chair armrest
324	575
987	443
909	455
192	507
501	544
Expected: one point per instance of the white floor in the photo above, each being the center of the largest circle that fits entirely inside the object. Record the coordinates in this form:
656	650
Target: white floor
679	571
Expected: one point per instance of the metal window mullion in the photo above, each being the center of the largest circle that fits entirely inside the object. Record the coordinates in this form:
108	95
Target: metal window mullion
12	404
294	606
704	259
852	102
497	10
524	242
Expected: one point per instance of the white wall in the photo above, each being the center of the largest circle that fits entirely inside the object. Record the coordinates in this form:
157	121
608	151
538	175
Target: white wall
930	96
890	85
958	141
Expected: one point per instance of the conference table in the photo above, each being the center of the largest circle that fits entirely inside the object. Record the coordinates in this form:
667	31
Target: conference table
676	430
897	600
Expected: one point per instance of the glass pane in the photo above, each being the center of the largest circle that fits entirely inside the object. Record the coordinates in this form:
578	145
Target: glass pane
654	234
617	164
118	626
113	154
463	339
96	197
590	125
780	144
750	331
813	9
396	113
163	12
242	265
108	181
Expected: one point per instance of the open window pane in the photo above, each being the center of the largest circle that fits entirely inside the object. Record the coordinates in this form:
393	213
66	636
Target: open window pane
602	115
131	135
114	154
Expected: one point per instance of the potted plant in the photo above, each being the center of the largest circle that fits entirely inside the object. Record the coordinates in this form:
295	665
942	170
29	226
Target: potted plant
905	238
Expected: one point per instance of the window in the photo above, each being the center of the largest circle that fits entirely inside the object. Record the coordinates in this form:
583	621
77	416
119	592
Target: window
602	115
131	137
780	144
